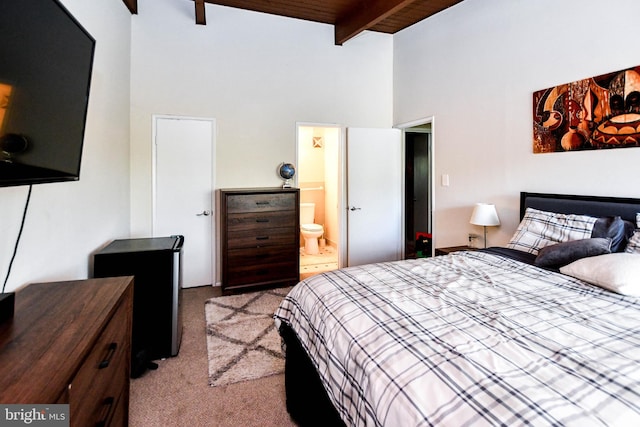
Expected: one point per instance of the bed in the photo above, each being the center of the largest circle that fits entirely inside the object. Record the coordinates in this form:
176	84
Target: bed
531	333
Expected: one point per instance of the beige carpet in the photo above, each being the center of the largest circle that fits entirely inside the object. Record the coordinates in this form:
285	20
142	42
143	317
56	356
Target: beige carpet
177	394
242	341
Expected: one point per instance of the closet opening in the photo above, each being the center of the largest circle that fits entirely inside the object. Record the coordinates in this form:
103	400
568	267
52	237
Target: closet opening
418	141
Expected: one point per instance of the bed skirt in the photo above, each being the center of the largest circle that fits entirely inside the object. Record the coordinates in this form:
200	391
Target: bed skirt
307	400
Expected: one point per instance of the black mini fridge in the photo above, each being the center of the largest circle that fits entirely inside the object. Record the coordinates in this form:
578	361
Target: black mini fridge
156	264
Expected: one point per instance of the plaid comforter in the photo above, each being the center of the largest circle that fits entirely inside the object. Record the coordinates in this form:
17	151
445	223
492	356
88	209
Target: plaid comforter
469	339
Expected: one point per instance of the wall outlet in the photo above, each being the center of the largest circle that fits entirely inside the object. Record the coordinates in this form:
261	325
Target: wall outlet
472	239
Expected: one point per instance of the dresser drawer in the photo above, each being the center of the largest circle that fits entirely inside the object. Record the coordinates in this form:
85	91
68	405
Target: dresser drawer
260	221
261	265
261	238
96	389
261	202
109	407
239	259
120	415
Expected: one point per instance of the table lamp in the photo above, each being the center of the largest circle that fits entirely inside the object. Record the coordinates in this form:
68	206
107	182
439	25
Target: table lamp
485	215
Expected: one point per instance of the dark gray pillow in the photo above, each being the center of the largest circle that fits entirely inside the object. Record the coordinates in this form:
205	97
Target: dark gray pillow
567	252
614	228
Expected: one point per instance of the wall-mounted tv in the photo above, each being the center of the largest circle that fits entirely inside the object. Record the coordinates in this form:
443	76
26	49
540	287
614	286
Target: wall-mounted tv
46	59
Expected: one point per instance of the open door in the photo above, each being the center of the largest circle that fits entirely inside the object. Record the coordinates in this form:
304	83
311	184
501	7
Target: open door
374	195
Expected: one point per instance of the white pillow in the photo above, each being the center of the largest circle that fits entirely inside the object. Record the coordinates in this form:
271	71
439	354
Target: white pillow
638	220
633	245
540	228
618	272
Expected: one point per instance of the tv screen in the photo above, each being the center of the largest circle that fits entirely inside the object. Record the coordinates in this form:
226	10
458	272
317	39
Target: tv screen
46	59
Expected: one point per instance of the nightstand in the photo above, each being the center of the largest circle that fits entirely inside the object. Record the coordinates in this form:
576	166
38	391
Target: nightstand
450	249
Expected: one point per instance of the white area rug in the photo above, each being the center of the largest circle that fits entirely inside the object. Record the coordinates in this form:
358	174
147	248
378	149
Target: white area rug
242	341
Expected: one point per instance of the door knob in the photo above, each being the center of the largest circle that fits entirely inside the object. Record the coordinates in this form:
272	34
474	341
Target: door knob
353	208
205	213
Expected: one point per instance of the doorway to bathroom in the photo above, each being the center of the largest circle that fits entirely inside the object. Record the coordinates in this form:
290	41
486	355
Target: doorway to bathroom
318	177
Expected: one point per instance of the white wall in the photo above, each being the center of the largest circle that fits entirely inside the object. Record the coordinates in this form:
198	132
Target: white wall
475	66
257	75
66	222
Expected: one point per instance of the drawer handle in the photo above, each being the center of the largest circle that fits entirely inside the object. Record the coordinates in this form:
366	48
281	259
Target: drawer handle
262	238
107	403
112	350
263	203
262	220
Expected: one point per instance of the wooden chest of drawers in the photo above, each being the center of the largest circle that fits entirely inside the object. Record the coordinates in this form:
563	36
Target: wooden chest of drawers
260	237
69	342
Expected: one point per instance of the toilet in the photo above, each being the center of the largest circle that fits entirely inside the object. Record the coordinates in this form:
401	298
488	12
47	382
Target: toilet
310	231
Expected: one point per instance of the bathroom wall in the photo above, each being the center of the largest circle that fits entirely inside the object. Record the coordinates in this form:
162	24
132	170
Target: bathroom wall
332	185
311	170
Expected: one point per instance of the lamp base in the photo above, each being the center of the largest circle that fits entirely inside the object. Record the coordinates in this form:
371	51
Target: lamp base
485	237
7	303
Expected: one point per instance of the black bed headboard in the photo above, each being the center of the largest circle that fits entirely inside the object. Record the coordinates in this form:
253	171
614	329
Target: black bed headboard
582	205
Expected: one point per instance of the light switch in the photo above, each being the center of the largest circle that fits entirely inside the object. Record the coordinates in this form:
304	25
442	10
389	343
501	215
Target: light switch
445	180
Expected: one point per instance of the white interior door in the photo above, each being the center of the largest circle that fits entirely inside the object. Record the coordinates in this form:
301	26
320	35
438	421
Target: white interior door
183	202
374	195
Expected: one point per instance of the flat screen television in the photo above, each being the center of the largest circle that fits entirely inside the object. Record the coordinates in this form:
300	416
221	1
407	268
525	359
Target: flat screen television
46	60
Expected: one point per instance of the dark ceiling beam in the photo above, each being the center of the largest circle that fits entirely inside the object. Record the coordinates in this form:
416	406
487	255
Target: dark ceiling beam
364	17
132	5
201	18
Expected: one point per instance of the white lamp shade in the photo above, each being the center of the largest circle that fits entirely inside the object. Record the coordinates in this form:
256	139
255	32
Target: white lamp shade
484	214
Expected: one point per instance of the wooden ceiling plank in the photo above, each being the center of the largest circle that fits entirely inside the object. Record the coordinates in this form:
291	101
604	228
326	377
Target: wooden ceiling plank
363	18
314	10
201	18
132	5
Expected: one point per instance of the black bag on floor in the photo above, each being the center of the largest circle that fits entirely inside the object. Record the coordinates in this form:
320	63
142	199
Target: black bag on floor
140	363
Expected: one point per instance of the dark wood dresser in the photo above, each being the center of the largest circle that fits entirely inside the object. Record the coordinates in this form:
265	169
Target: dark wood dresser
69	342
260	238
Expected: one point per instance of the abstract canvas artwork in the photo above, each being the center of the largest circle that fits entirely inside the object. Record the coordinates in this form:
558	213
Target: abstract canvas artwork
595	113
5	96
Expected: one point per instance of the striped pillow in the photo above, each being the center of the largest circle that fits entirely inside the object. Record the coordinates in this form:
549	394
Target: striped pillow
633	245
540	228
